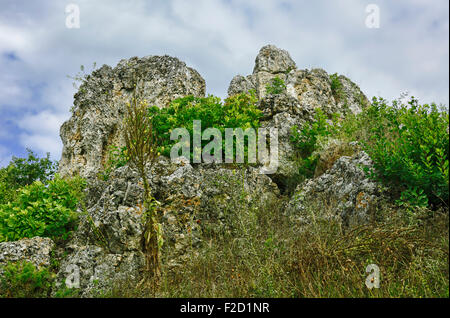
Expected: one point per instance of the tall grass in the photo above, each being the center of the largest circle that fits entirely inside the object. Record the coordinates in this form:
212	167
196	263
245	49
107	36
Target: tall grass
268	256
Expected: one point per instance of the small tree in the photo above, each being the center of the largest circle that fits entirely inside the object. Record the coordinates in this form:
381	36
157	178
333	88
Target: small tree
276	86
142	149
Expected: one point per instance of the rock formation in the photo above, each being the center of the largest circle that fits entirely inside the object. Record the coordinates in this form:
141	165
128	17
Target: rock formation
100	106
36	250
195	200
305	91
345	189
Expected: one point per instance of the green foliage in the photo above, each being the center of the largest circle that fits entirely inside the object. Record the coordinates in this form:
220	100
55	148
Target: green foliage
409	145
23	280
41	210
412	198
305	141
336	87
276	86
236	111
24	171
117	157
265	254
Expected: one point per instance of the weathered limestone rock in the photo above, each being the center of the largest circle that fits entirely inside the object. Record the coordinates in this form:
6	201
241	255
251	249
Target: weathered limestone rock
100	106
107	246
273	60
305	91
344	191
197	201
36	250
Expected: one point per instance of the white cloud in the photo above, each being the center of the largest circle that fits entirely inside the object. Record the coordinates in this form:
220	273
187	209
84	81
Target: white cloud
40	131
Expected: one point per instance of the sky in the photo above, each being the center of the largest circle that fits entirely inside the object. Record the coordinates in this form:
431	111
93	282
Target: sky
407	53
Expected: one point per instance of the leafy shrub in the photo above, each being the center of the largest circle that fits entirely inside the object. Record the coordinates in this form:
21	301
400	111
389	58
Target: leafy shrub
24	171
336	87
305	141
409	145
7	192
41	210
276	86
239	111
23	280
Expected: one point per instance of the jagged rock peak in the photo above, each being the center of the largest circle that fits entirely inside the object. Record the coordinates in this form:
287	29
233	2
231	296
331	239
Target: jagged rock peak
100	106
273	60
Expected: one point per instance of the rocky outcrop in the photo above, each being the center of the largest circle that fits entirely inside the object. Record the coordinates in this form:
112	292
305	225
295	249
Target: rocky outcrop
197	201
305	91
100	106
312	88
36	250
344	192
107	246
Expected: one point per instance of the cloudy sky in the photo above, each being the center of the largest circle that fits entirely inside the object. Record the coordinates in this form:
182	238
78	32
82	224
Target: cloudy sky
409	52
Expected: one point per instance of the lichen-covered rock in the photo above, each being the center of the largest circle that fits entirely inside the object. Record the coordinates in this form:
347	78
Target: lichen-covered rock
345	191
36	250
195	200
100	106
352	99
94	271
305	91
241	84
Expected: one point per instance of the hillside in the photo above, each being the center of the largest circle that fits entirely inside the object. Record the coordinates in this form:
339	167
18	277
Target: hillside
348	183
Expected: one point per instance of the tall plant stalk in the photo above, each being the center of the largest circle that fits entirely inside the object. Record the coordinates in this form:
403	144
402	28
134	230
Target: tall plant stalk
141	147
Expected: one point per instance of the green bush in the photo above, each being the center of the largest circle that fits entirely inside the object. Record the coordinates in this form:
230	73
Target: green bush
239	111
336	87
117	157
408	144
305	141
276	86
24	171
41	210
23	280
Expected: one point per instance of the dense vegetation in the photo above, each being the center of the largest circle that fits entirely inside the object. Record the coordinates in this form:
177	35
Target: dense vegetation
238	111
36	202
266	254
409	145
24	171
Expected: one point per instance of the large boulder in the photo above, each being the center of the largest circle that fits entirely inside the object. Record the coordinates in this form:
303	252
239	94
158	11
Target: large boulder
100	106
344	192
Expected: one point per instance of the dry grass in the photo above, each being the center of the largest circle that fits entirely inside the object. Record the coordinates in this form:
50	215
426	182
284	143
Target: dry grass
270	257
